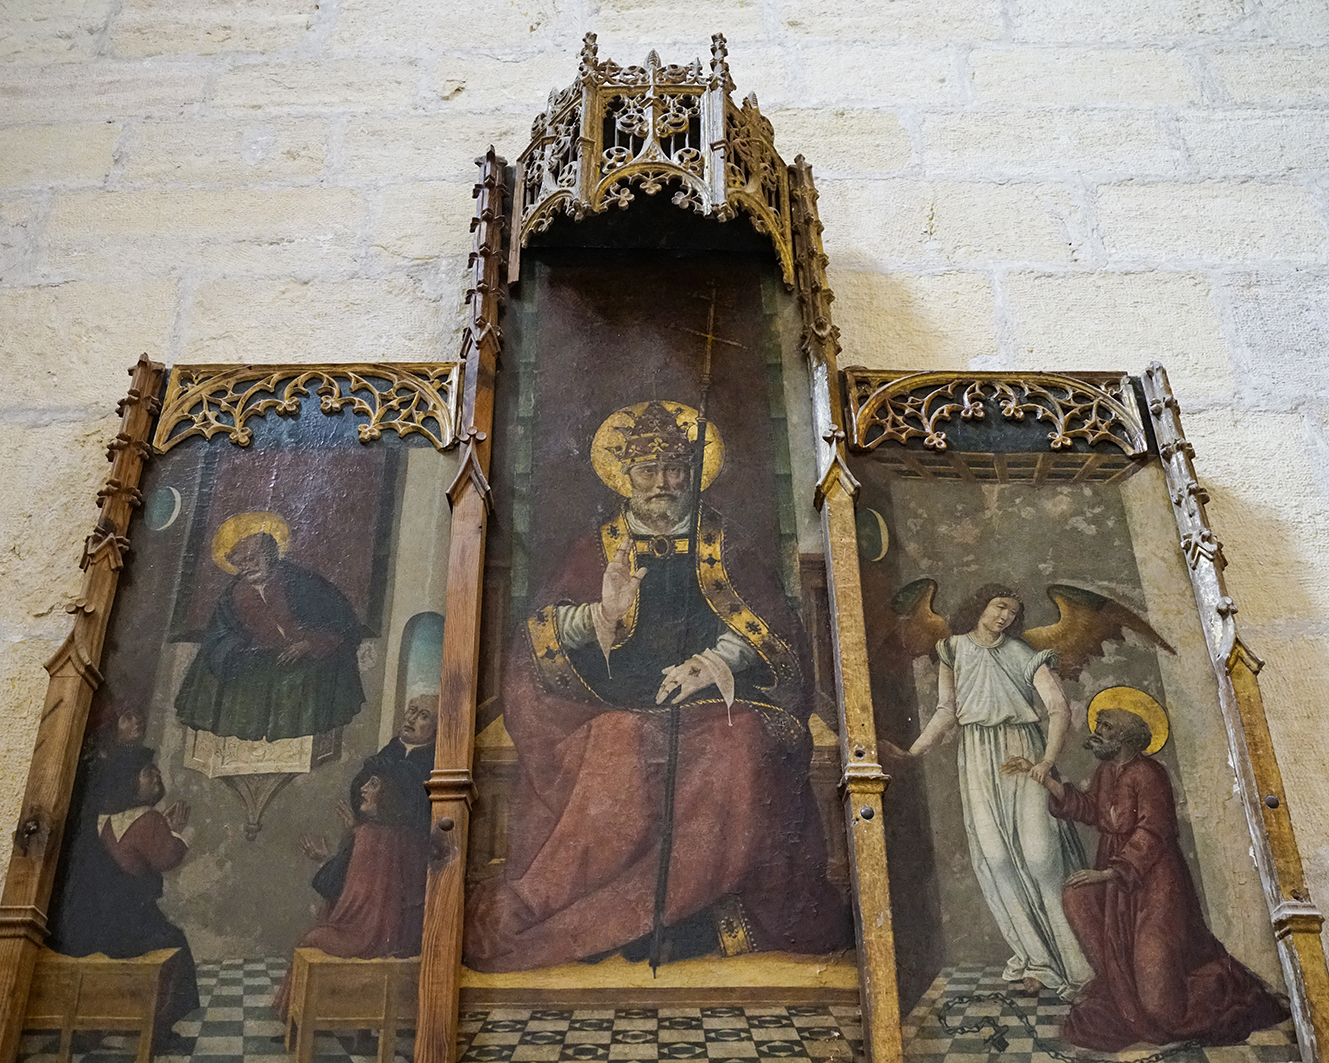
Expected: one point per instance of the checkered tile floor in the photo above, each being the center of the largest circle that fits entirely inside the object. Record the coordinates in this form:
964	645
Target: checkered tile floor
747	1033
926	1042
236	1025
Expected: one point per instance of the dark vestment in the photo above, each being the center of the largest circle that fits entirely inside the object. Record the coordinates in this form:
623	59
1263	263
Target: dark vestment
107	893
1160	975
584	835
236	685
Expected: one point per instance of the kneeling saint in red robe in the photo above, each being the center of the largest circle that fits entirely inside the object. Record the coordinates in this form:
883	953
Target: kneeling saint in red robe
1160	975
657	608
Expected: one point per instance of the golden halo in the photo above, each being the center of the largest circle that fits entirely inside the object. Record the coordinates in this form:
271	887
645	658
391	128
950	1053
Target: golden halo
1137	702
242	526
611	470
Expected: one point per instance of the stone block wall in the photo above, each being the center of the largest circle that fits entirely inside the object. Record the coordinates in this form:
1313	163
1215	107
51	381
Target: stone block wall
1086	184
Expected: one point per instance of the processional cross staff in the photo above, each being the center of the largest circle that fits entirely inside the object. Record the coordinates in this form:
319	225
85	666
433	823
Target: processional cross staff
676	709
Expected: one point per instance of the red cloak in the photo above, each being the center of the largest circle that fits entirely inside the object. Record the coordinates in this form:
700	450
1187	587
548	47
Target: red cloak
584	834
380	910
1160	975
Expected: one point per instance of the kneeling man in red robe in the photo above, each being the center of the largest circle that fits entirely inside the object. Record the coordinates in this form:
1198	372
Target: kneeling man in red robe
1160	975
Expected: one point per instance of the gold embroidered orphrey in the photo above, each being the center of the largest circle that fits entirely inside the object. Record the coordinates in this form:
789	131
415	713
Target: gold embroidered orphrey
560	677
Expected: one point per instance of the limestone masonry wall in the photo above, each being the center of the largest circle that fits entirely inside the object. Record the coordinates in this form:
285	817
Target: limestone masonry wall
1086	184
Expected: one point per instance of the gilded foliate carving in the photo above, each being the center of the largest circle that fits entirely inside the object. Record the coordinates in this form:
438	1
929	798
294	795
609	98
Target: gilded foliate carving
756	178
621	130
885	407
407	399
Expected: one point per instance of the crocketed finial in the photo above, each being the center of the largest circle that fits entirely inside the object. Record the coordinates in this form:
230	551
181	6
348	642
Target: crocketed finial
590	55
720	62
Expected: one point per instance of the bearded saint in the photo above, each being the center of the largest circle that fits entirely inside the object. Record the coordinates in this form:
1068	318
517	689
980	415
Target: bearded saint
1160	975
642	617
278	659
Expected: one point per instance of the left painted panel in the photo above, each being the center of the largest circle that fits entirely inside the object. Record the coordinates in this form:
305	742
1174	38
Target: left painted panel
249	818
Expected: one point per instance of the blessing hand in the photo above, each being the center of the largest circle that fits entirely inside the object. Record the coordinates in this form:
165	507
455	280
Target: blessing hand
687	678
618	589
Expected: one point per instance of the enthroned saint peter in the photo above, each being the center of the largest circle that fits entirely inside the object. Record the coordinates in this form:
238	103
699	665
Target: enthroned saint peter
659	606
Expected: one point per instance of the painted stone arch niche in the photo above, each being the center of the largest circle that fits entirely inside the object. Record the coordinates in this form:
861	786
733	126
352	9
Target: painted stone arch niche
658	818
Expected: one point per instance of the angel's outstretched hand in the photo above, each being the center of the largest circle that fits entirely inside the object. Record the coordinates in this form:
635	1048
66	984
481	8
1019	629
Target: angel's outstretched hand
889	751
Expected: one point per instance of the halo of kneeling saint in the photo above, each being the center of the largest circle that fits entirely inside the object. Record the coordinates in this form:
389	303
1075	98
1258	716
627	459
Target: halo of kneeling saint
658	664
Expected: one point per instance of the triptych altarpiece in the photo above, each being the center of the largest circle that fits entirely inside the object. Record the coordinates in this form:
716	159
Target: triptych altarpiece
642	657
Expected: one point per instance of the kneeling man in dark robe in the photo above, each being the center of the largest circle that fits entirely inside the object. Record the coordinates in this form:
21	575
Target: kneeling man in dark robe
409	754
113	880
1160	975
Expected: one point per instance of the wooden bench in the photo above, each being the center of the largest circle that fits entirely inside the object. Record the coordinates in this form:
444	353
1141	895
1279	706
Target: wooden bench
96	993
332	993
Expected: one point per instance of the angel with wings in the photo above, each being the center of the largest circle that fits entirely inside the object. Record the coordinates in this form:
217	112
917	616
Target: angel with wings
992	674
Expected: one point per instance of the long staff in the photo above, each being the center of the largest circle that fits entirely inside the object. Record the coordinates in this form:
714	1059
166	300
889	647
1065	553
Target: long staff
676	709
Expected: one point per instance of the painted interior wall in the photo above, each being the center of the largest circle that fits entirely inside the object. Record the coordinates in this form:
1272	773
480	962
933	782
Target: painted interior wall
1078	184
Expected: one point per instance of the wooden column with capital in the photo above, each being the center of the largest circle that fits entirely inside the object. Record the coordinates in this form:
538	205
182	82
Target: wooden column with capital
863	783
75	676
451	788
1297	919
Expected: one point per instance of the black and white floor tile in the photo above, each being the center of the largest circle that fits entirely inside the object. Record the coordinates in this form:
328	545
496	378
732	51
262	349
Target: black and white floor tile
926	1041
720	1033
235	1024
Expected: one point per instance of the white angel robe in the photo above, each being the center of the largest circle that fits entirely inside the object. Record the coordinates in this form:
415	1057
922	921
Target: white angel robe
1021	854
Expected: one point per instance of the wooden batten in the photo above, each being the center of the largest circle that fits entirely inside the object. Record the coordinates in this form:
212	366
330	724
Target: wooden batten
451	789
75	676
863	783
1296	920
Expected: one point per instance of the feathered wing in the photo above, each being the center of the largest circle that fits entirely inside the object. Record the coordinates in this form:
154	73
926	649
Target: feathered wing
1086	621
918	628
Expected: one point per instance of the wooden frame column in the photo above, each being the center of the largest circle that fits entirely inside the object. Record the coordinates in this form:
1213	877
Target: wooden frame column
451	787
75	676
863	784
1296	920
